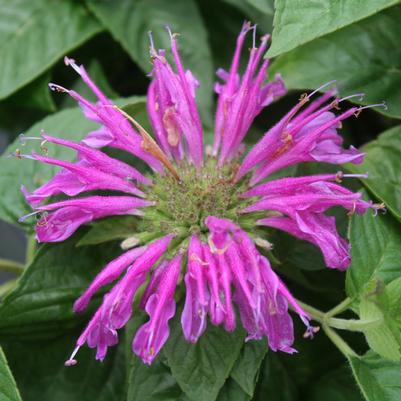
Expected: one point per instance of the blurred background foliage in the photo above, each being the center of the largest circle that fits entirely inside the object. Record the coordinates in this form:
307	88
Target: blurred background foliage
355	42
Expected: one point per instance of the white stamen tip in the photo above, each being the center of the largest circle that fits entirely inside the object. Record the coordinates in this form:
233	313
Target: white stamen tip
20	155
23	218
322	87
366	175
254	37
360	95
71	62
369	106
152	44
169	31
23	139
57	88
70	362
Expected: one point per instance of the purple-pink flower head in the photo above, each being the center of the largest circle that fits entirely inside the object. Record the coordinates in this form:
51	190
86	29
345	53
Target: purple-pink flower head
201	216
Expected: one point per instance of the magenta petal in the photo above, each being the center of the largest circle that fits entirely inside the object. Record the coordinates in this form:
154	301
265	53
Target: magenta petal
108	274
151	336
160	307
318	229
193	318
62	224
216	308
66	217
99	138
99	160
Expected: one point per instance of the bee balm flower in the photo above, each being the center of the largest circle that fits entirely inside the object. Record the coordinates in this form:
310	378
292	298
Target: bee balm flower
204	211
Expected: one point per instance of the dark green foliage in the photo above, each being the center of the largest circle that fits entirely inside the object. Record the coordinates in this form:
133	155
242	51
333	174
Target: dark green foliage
355	42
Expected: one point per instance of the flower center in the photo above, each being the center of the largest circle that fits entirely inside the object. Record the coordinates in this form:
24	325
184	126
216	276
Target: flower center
183	205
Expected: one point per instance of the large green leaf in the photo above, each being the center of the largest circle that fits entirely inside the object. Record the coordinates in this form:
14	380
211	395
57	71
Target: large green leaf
383	162
297	22
8	387
129	22
201	369
69	124
39	370
35	95
337	385
152	383
14	172
379	380
276	382
41	303
376	252
259	12
383	337
35	34
231	391
246	369
363	57
149	382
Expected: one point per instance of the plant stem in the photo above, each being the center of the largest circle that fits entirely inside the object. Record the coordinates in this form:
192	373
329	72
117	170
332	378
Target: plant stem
11	267
30	249
341	307
339	342
352	324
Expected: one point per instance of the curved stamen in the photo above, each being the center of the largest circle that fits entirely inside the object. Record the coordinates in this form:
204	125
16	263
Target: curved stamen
340	175
254	36
321	87
71	62
360	95
71	361
310	330
23	218
23	139
377	207
366	175
20	155
369	106
152	48
57	88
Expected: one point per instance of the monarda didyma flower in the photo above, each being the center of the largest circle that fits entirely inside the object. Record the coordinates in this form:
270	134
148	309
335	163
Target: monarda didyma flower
200	212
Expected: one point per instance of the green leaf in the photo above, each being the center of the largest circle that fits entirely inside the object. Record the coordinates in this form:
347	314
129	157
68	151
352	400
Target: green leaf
41	375
383	338
41	304
393	292
383	162
8	387
275	382
15	172
324	16
152	383
201	369
109	229
375	252
363	57
246	369
35	34
35	95
336	385
378	379
231	391
258	11
70	124
129	22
